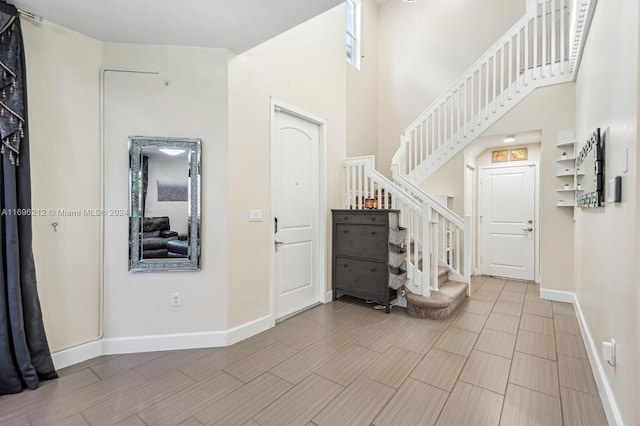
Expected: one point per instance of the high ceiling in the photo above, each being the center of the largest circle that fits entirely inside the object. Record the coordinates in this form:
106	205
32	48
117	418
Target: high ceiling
237	25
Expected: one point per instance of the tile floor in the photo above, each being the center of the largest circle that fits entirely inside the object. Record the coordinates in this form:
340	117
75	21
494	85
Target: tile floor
506	357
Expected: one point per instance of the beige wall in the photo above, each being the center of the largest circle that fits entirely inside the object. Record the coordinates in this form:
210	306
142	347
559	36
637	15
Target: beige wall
304	67
449	180
362	89
423	48
605	254
62	69
637	162
188	98
63	77
548	109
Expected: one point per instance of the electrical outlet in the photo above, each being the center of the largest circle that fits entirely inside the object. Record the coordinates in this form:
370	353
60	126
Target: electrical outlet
175	299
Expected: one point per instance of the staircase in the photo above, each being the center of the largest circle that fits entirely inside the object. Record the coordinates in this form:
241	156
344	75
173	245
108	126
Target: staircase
543	48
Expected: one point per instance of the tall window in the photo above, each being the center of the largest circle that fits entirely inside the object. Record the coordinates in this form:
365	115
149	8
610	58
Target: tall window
353	32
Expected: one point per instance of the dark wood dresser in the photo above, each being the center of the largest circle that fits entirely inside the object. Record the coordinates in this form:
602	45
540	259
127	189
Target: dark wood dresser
361	254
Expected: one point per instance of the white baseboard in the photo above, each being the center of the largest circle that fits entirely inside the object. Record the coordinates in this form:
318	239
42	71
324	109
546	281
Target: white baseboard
558	296
74	355
163	342
249	329
608	401
606	395
328	296
166	342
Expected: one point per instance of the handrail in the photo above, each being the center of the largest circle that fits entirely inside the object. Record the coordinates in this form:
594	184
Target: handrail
537	50
581	17
409	198
471	70
436	205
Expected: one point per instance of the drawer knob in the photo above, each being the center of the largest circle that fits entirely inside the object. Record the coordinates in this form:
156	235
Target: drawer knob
346	218
373	269
346	265
373	233
373	218
346	230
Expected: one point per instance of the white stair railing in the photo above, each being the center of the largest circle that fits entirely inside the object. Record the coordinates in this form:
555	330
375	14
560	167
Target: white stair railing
534	52
451	234
435	235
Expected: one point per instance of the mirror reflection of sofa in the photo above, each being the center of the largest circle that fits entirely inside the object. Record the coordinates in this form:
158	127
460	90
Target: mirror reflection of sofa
159	241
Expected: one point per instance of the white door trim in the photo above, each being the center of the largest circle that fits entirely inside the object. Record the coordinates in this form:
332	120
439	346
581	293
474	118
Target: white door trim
536	204
281	106
470	181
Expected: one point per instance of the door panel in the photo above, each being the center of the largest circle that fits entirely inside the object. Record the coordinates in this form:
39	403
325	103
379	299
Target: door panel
508	222
296	263
295	192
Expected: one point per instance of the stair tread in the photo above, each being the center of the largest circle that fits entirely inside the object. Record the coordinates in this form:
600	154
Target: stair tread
442	298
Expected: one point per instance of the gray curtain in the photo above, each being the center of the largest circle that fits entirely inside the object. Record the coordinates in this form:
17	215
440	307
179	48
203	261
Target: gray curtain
24	352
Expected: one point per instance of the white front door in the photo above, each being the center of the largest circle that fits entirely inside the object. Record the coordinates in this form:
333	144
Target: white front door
508	222
296	200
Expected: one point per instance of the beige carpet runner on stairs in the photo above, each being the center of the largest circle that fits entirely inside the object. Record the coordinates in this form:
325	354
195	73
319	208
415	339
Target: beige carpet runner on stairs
441	303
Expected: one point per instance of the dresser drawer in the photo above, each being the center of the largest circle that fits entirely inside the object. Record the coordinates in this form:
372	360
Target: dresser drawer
360	219
369	241
361	278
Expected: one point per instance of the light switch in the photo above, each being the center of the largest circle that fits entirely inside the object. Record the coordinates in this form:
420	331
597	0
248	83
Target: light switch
255	215
614	190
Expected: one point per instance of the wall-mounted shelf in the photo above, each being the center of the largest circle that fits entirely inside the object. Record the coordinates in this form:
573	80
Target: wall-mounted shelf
566	169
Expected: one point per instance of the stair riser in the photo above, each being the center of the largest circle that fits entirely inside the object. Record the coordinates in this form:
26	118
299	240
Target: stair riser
443	278
433	313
